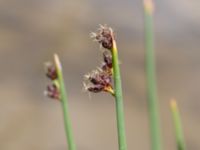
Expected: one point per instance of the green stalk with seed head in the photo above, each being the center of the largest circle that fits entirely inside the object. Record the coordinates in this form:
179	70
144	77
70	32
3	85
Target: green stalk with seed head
63	97
101	80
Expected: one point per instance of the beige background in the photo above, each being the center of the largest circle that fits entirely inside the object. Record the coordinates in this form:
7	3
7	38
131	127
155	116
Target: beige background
32	30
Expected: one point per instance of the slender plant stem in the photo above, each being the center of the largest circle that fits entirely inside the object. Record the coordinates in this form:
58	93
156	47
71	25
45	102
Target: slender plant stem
63	94
118	99
151	77
177	126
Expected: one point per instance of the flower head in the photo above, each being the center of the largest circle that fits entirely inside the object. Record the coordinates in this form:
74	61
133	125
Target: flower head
104	36
107	62
98	81
101	79
50	70
52	89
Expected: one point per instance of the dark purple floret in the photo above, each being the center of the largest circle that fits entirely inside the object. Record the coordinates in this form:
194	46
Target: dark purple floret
104	36
52	91
99	80
107	59
51	72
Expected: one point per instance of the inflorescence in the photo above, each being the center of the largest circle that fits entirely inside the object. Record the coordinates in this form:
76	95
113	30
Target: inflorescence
101	79
52	89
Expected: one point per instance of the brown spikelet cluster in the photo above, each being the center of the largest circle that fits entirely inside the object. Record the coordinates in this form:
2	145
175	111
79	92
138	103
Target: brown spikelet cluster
101	79
104	36
52	89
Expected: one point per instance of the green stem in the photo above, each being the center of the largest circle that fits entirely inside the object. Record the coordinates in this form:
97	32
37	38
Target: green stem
177	125
118	99
63	94
151	77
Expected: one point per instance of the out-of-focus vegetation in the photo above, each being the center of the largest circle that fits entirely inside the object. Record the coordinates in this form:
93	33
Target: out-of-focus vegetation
31	31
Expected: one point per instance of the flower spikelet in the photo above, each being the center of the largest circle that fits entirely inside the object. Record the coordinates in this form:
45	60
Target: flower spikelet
52	89
104	36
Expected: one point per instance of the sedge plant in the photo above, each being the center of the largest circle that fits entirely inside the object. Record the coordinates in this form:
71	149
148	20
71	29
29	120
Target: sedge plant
107	78
101	79
151	76
56	90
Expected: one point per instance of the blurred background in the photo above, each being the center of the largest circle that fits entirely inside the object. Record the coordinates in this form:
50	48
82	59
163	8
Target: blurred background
31	31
